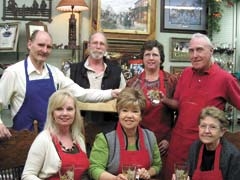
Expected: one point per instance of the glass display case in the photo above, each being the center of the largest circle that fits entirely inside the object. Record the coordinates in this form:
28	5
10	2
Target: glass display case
225	57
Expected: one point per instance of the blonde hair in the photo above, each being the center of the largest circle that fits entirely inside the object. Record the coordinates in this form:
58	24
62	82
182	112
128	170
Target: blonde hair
57	100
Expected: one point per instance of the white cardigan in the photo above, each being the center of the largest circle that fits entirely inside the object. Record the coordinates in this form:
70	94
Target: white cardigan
43	160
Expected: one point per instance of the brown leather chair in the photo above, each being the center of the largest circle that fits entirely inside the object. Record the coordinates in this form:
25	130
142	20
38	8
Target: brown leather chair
91	130
234	138
13	153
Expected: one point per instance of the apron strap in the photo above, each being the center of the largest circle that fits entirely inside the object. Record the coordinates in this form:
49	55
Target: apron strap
216	158
121	138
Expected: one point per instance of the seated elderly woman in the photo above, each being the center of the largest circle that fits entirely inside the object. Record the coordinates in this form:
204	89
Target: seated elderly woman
213	157
127	144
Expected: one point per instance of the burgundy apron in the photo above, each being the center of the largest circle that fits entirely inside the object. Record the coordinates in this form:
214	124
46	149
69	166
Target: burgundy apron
79	160
137	157
185	131
214	174
35	103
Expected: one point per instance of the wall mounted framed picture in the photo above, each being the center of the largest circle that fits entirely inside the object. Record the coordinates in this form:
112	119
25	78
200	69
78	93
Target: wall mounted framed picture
179	49
180	16
129	19
33	26
9	33
177	70
38	10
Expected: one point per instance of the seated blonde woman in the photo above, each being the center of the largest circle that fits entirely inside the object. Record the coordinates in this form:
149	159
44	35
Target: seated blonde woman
60	144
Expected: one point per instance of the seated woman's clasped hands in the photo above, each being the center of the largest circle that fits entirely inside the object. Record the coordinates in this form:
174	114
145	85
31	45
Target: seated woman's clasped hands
128	144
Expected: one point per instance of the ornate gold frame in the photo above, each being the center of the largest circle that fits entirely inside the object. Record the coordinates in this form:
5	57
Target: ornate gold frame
149	33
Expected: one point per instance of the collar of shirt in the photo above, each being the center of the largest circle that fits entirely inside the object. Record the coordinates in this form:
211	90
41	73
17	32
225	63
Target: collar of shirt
86	65
211	69
32	70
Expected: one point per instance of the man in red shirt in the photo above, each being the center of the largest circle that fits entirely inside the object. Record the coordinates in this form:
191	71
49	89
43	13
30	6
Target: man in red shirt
203	84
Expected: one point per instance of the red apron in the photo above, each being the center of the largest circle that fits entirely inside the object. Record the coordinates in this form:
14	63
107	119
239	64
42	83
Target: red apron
139	157
160	88
185	131
214	174
79	160
152	117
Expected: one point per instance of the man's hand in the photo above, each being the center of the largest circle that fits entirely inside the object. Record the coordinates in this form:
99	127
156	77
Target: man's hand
115	93
4	132
163	147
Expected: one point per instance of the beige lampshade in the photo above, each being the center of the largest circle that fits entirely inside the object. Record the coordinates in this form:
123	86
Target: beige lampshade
67	5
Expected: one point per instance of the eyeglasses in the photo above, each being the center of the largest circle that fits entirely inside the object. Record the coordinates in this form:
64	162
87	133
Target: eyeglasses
148	55
210	127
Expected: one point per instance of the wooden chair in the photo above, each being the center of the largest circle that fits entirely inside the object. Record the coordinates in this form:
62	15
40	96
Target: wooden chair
91	130
13	153
234	138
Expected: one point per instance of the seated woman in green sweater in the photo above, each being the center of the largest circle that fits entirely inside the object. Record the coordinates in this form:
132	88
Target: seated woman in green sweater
127	144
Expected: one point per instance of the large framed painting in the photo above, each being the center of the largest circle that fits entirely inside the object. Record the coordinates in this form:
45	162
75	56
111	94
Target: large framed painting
129	19
181	16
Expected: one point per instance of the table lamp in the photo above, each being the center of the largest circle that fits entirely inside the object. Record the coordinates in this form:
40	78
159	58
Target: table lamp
72	6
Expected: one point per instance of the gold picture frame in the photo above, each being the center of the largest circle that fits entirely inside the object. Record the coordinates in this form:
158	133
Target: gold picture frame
33	26
177	70
131	20
179	49
9	33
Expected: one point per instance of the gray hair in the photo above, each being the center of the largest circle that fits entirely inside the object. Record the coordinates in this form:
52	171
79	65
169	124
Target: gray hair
91	36
211	111
203	36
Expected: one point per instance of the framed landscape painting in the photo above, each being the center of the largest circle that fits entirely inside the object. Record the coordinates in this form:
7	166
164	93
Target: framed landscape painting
129	19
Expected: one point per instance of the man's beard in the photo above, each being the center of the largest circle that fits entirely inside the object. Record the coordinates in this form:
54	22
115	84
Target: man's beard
97	54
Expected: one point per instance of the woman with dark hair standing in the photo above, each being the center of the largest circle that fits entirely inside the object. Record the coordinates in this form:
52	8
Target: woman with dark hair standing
156	84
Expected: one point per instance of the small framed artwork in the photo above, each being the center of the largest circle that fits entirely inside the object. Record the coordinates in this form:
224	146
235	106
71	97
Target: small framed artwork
180	16
177	70
31	10
33	26
129	19
179	49
9	33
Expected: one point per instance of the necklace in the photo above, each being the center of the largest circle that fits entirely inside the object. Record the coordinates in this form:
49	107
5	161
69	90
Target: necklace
72	149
